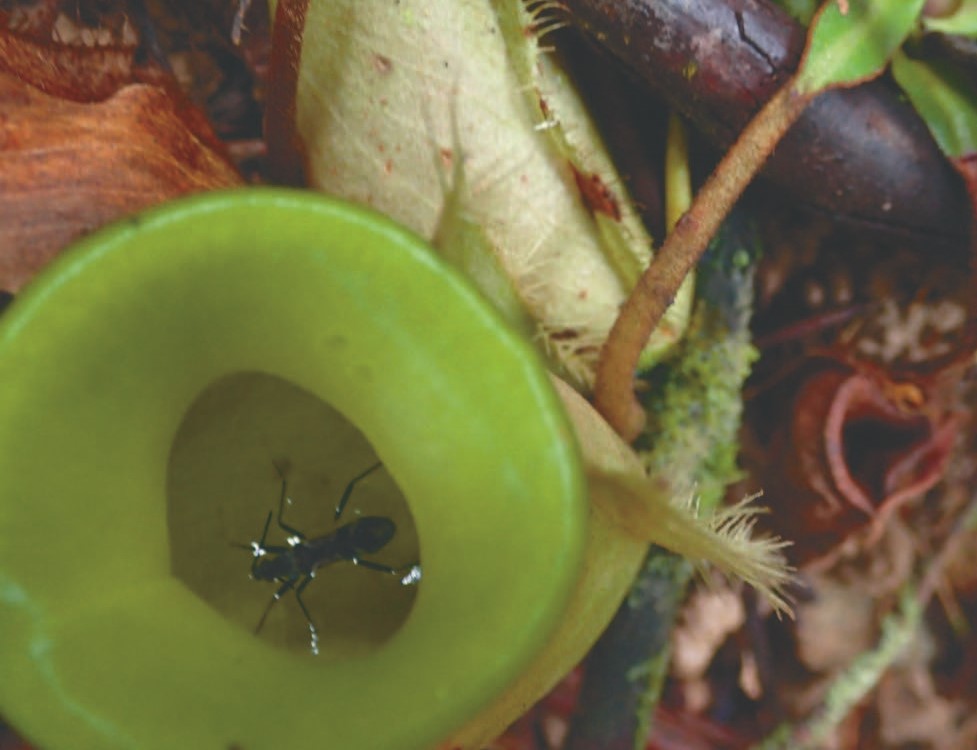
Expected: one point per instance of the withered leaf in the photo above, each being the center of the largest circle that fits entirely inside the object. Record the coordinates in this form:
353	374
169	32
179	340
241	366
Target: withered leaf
857	447
68	165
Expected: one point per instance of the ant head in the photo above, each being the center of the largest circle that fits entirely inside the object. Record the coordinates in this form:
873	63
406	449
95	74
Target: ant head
371	533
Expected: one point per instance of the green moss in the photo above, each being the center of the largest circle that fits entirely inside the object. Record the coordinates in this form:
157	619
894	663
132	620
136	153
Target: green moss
694	398
695	406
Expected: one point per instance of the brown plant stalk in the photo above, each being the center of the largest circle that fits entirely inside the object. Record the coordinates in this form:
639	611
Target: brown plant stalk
640	314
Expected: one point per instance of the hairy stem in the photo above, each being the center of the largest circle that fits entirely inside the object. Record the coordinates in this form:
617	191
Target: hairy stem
639	316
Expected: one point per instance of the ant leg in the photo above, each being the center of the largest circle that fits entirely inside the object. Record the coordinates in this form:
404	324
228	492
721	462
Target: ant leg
261	551
281	506
258	549
313	631
284	589
380	567
349	488
409	573
264	532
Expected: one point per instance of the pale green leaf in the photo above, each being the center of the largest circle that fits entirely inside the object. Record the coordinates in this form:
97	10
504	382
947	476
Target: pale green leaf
963	22
847	48
944	98
390	96
726	538
463	242
800	10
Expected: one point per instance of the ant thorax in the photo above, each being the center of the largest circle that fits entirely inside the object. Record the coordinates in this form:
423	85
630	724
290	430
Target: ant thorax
293	565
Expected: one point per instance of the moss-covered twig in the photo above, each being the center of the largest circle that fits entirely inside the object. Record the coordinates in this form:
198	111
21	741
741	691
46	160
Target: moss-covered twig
898	630
626	669
697	412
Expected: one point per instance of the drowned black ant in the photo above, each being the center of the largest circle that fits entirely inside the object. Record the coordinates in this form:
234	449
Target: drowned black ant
295	565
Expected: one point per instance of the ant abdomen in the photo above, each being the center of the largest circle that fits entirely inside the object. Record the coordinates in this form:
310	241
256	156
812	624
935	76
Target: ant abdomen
293	566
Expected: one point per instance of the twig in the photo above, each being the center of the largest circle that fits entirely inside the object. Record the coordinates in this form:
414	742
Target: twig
655	290
625	670
898	630
863	675
962	527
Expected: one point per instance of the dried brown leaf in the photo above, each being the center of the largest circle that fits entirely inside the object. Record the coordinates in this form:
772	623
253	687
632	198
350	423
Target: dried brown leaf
69	164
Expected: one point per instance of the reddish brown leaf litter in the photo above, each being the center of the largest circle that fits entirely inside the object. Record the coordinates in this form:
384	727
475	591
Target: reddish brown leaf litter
852	447
859	425
853	419
73	72
84	149
285	146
